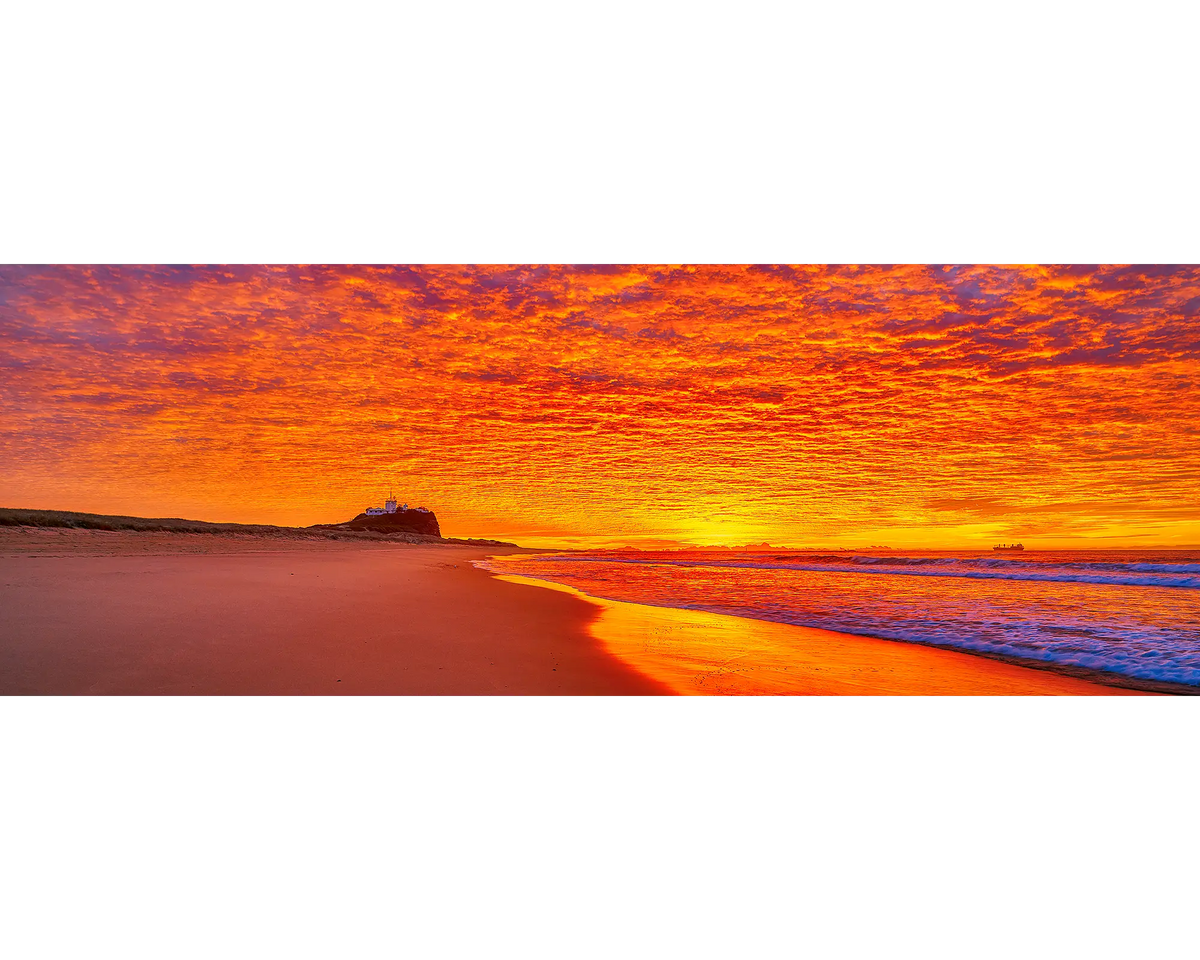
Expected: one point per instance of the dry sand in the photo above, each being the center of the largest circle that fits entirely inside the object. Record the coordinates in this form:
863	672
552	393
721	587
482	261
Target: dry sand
103	612
133	613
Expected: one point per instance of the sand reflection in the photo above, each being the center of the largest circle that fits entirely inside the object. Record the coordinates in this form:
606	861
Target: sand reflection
698	653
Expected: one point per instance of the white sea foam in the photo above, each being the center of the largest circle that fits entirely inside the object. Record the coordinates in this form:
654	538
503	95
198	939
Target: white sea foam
1147	655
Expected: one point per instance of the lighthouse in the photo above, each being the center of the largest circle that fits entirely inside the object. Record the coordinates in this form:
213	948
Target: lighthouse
389	506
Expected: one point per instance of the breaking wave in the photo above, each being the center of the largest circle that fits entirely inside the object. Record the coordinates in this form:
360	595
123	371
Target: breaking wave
1177	575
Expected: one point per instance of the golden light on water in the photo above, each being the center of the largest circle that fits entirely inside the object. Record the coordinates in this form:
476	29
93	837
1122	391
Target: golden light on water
697	653
907	406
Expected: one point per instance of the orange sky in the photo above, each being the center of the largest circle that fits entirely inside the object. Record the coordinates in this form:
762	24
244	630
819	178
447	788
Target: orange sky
909	406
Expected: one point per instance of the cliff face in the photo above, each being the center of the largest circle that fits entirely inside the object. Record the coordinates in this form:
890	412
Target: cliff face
402	521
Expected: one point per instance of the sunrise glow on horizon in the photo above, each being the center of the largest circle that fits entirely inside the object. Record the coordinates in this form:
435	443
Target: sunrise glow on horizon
908	406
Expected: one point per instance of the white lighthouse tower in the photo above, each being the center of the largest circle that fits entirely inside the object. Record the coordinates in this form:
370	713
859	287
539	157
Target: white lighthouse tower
389	506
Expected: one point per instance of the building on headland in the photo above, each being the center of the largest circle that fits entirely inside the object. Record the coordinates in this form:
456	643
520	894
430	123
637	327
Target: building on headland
389	506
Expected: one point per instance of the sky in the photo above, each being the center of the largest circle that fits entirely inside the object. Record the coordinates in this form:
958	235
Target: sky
908	406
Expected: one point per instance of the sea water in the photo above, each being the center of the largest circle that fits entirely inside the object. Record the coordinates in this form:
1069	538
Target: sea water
1129	612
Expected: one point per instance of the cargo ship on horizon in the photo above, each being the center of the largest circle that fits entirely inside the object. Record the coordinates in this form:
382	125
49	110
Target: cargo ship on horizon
1009	546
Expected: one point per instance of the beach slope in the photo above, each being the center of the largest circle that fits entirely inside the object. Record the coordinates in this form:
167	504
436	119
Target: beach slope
103	612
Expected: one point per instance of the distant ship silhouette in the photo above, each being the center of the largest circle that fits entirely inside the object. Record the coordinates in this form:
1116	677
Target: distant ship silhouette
1009	546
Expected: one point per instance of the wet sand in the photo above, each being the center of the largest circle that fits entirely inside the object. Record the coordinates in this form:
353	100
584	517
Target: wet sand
97	612
699	653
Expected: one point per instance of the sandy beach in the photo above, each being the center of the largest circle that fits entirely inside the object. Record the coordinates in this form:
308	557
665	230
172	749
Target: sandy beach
97	612
94	612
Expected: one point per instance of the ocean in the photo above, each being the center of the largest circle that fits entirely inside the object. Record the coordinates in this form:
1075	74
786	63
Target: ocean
1135	613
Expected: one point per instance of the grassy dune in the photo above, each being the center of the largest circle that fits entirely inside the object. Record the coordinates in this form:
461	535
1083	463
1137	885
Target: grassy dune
95	521
10	517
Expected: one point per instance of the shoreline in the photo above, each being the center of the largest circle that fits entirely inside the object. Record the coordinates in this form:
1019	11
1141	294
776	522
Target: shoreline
1039	676
90	611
